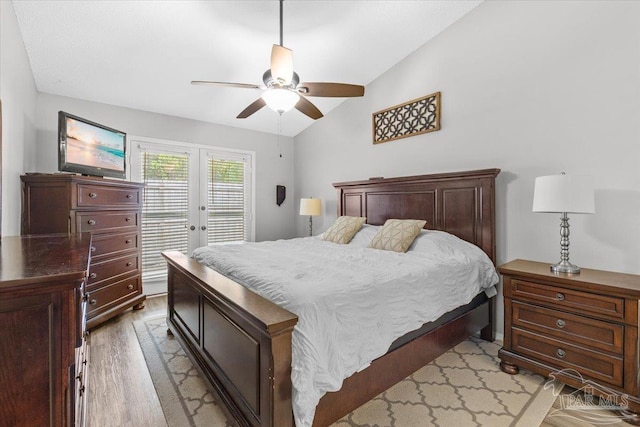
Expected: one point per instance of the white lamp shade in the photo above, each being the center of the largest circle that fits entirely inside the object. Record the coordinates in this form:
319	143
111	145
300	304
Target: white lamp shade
563	193
280	100
310	207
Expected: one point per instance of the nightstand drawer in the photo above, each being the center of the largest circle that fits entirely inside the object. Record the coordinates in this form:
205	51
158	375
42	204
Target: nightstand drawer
568	300
561	354
579	330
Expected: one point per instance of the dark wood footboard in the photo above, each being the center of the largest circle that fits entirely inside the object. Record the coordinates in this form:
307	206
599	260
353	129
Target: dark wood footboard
240	342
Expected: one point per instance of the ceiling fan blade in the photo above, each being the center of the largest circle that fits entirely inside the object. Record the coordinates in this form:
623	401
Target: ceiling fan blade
306	107
240	85
281	64
338	90
252	108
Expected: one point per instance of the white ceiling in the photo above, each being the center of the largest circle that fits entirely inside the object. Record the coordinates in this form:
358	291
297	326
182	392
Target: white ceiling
144	54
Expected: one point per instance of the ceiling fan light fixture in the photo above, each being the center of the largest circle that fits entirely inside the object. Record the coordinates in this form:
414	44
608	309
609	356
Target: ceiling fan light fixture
280	100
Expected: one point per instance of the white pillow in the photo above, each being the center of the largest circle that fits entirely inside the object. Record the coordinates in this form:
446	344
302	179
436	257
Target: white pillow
436	241
364	236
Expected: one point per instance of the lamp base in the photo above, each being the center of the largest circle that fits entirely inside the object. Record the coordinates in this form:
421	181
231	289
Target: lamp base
565	267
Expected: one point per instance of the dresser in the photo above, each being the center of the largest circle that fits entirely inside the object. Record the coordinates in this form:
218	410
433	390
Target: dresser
111	211
43	347
582	329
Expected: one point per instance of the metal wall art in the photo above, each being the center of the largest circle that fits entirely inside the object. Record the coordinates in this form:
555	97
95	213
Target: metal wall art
415	117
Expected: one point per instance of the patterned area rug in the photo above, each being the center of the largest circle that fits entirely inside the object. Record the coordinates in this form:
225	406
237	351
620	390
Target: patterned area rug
184	397
463	387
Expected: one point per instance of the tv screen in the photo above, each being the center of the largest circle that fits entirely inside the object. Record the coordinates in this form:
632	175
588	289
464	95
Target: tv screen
90	148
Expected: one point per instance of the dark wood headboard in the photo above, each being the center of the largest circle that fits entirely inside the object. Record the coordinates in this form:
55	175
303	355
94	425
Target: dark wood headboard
460	203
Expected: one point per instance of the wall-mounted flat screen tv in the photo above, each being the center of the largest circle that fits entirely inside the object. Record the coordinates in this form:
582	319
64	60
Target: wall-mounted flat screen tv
90	148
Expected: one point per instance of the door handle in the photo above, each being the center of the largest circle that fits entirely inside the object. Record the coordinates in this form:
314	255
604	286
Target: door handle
193	227
203	228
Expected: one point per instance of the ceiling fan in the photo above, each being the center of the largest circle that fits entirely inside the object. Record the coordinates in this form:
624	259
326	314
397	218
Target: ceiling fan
282	88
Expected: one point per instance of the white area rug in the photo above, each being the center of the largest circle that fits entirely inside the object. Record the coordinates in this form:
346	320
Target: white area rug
463	387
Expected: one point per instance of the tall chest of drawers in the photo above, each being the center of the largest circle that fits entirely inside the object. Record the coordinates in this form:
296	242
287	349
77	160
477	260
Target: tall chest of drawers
111	211
582	329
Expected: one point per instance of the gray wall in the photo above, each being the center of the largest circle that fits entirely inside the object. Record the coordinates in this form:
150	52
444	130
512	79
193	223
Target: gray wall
272	221
18	95
533	88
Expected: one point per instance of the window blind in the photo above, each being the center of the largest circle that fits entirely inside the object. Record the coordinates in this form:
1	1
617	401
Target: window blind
226	200
165	209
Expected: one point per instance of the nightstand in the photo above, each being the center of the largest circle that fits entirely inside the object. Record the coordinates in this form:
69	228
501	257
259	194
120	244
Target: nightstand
581	328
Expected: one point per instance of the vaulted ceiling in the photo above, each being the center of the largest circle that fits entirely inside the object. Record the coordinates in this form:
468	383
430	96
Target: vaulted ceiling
144	54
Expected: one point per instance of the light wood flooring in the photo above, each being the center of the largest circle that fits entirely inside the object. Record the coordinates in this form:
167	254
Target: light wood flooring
121	393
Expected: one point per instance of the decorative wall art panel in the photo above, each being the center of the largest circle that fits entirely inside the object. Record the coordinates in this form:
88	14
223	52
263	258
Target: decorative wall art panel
415	117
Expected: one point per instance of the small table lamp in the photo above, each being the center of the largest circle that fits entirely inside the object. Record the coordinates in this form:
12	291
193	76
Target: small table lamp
564	194
311	207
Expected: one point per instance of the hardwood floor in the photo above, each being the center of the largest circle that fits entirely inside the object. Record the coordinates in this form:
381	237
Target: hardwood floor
120	389
121	392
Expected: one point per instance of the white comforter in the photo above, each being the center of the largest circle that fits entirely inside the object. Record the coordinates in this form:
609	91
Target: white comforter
352	302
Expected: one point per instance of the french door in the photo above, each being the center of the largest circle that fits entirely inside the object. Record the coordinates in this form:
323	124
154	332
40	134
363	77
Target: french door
193	197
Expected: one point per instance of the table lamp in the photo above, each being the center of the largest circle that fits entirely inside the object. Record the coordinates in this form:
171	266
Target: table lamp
311	207
564	194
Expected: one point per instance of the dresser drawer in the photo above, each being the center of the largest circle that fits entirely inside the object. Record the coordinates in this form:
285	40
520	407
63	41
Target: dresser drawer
104	245
568	300
562	354
579	330
100	272
112	295
101	221
96	195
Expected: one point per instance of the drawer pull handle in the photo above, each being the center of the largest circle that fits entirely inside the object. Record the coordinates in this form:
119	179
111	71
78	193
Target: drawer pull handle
559	296
560	323
560	353
127	219
129	286
91	222
93	249
93	195
93	302
129	196
128	241
129	264
93	275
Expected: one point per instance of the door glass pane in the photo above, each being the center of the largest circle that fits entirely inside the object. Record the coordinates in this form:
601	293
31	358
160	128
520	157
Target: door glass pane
165	208
226	201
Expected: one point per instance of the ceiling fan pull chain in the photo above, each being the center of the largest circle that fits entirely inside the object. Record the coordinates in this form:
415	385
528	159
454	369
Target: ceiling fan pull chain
279	132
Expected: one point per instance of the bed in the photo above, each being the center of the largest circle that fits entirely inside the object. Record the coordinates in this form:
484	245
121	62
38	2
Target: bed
242	343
